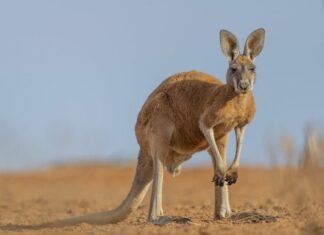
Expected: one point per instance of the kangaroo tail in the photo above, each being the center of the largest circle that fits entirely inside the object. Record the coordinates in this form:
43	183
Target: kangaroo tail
141	183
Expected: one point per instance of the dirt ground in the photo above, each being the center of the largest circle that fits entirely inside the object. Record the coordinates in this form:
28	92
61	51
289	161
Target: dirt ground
264	201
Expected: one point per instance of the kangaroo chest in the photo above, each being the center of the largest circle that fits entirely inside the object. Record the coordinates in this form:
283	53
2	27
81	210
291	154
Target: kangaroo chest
236	112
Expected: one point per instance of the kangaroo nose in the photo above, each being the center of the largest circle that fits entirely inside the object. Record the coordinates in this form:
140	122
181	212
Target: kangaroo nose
244	85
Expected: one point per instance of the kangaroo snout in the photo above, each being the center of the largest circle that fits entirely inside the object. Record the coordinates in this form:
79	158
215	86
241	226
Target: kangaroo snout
244	85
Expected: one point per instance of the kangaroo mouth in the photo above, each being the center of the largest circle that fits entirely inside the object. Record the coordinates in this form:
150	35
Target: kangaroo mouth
243	87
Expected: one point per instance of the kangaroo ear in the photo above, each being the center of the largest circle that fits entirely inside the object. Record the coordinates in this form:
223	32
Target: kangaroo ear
229	44
254	43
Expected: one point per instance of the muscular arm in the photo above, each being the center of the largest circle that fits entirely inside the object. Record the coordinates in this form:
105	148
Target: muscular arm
231	175
220	164
239	132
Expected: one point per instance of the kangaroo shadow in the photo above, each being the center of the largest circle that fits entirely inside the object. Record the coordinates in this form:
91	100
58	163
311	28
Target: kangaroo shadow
252	217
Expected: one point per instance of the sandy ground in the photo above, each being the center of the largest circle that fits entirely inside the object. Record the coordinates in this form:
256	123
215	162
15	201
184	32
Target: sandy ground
264	201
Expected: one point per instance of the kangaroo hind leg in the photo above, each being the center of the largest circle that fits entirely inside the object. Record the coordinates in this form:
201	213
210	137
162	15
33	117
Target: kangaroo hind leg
160	146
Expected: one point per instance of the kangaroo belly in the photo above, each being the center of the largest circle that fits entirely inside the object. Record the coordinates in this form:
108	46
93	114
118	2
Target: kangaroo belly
188	140
173	162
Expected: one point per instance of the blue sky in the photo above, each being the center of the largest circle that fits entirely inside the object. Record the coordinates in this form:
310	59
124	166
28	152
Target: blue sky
74	74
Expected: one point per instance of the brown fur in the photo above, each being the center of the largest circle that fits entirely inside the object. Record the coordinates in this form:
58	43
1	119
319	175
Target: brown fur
186	98
187	113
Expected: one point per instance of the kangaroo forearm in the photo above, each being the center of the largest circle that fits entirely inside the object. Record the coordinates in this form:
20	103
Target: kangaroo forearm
209	135
239	132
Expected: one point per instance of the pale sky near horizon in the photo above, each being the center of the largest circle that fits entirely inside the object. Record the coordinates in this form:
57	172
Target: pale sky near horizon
74	74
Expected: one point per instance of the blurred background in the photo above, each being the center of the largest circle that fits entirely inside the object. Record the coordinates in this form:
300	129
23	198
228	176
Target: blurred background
74	74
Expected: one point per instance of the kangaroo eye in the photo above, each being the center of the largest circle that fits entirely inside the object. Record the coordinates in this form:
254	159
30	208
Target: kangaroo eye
252	68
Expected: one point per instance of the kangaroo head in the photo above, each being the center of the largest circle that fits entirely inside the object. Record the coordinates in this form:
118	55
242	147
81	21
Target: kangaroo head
241	71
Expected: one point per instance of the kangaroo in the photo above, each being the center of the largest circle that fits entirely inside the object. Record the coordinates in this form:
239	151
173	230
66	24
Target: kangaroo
190	112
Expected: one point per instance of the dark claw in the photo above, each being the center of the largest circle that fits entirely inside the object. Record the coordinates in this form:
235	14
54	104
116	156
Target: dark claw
219	181
214	178
231	177
229	180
